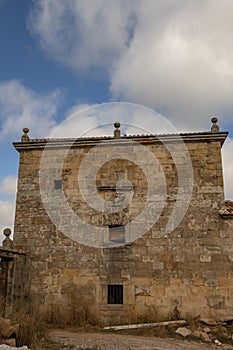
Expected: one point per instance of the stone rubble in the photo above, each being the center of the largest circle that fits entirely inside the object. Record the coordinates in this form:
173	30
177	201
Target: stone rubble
6	347
183	331
208	321
209	334
10	342
8	332
202	336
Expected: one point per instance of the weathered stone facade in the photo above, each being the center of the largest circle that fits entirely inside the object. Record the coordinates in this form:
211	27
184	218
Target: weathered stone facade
189	269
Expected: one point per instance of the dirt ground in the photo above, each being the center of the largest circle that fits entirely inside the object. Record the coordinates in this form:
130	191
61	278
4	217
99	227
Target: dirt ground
112	341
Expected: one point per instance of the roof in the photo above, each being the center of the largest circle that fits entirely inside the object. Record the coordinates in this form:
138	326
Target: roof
227	212
144	139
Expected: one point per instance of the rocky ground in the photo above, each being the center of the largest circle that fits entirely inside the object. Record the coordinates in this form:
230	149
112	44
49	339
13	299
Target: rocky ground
191	334
100	341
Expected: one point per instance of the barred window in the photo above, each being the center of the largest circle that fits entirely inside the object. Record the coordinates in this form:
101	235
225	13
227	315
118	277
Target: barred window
115	294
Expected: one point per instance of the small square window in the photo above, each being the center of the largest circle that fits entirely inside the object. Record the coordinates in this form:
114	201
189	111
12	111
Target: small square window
115	294
117	233
57	184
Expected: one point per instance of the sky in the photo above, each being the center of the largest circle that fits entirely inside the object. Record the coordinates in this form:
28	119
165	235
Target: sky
59	57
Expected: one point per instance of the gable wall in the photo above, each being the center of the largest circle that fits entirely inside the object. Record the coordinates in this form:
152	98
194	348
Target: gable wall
189	269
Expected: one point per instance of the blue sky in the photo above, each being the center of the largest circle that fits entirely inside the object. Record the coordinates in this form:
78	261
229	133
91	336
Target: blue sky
60	56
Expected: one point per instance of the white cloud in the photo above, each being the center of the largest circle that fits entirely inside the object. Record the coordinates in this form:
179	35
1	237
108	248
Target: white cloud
7	212
98	120
181	64
7	207
8	185
83	33
227	153
173	56
20	107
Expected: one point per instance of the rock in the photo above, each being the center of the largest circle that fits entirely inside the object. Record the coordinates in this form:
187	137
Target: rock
11	342
205	337
206	330
218	342
196	334
7	347
208	321
202	335
7	330
220	330
228	319
183	331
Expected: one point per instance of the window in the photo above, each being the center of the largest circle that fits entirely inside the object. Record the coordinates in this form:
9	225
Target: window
115	294
57	184
117	233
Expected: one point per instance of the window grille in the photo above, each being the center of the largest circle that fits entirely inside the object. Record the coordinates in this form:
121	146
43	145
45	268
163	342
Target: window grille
115	294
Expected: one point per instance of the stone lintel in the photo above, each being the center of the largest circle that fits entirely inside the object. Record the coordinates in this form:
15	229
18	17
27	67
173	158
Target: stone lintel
113	188
226	216
10	253
143	139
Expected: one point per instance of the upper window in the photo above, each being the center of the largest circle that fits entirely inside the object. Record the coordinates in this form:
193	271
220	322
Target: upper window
57	184
117	233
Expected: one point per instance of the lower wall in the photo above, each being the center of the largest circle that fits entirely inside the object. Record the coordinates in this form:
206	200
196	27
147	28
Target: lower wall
144	301
162	278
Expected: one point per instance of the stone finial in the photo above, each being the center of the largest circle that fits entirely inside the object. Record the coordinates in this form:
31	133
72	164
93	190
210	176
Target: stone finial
25	137
7	242
215	127
117	132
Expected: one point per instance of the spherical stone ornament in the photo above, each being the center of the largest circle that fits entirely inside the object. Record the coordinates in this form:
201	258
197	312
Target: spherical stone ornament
117	125
25	130
7	232
214	120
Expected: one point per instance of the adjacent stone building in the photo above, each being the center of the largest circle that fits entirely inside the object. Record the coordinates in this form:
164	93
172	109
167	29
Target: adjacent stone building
182	263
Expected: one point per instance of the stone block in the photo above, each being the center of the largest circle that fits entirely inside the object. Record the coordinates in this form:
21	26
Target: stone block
142	291
176	291
206	258
158	291
198	281
216	301
225	281
183	331
158	265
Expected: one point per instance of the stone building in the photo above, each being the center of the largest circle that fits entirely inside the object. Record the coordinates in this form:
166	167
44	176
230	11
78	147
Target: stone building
176	257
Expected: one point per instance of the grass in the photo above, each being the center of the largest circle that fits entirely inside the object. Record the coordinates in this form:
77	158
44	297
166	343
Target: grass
33	323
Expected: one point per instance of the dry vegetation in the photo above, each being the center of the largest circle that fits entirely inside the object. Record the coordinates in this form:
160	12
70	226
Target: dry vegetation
2	303
34	324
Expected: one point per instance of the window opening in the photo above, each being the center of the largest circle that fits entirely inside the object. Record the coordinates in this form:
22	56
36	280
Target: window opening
115	294
57	184
117	233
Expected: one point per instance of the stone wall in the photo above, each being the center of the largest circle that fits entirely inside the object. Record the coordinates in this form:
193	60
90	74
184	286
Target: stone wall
189	269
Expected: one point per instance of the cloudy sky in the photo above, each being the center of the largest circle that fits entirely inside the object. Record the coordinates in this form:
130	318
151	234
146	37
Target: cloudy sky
58	57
